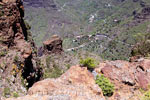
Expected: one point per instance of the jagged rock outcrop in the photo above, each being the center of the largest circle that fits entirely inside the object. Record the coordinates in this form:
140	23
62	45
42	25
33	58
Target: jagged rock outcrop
76	84
128	77
50	46
13	33
16	62
53	45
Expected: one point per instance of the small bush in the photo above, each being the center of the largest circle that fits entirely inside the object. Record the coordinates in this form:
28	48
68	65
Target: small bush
89	63
3	53
16	58
48	61
142	47
1	13
15	94
6	92
53	73
146	96
106	86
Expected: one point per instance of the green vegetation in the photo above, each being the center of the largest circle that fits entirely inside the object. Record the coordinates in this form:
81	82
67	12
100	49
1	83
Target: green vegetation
106	86
68	66
48	61
143	45
24	82
90	63
3	53
146	96
16	58
6	92
52	72
114	18
52	69
15	94
27	25
1	13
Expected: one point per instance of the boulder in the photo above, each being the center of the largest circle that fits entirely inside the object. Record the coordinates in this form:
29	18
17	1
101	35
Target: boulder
77	83
128	77
9	1
53	45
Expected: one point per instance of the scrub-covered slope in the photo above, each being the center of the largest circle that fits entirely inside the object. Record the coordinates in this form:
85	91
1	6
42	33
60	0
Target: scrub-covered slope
114	23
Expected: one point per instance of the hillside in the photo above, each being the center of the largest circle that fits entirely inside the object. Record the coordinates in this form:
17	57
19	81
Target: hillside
69	66
119	20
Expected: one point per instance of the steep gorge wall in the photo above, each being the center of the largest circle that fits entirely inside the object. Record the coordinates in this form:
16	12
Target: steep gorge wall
17	60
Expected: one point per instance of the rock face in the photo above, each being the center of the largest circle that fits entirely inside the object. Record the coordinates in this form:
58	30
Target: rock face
13	32
79	84
76	84
128	77
16	61
53	45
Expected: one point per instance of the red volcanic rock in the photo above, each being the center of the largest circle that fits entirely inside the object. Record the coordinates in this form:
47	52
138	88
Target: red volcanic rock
128	77
77	83
123	72
117	96
53	45
13	31
142	80
118	71
16	60
38	97
8	1
145	64
107	71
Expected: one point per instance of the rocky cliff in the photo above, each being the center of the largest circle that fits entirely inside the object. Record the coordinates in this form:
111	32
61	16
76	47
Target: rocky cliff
21	71
130	80
76	84
17	64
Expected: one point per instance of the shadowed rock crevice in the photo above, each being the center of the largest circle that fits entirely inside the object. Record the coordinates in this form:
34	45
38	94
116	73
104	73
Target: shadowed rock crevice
24	29
31	73
22	23
19	68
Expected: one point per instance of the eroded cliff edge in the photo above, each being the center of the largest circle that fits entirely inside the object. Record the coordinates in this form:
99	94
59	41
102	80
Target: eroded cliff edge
17	59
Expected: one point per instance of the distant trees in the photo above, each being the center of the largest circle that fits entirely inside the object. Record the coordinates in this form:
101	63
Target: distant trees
142	47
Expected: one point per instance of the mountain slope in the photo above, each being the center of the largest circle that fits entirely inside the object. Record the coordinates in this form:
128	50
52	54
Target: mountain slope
118	19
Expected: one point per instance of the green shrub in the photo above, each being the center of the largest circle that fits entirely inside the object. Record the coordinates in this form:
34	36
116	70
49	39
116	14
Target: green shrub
15	94
24	82
106	86
48	61
146	96
1	13
52	72
88	62
16	58
27	25
6	92
142	47
3	53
